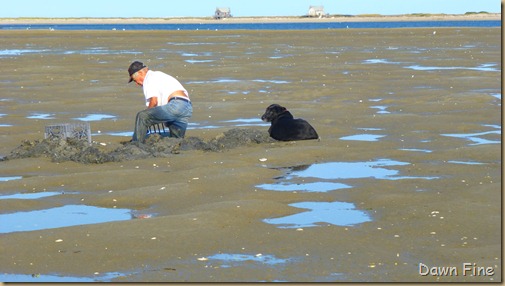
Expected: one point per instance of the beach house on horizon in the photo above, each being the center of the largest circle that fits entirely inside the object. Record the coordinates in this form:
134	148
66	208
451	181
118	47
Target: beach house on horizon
222	12
316	11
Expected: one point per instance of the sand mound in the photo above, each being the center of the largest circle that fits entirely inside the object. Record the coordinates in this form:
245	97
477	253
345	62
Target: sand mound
70	149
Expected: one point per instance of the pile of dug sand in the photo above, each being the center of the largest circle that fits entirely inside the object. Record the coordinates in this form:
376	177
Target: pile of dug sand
71	149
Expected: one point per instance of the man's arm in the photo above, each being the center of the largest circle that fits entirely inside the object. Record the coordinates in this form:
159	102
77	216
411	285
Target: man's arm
153	102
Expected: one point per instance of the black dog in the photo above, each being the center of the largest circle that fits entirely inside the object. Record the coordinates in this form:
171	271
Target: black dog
284	127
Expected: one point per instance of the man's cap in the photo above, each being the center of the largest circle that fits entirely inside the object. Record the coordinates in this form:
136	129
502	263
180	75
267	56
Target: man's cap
135	67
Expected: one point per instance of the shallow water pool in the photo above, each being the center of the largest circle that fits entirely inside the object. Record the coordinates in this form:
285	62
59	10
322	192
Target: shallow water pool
5	179
304	187
363	137
95	117
30	196
68	215
478	138
327	177
40	278
231	259
322	213
354	170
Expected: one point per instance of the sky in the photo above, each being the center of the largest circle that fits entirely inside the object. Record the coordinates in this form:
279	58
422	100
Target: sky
239	8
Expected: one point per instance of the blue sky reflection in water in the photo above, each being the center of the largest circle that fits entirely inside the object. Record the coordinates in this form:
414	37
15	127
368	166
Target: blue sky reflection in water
305	187
95	117
29	196
10	178
300	179
42	278
331	171
363	137
69	215
354	170
478	138
232	259
322	213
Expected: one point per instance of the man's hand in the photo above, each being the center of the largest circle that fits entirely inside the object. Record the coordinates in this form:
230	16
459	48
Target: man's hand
153	102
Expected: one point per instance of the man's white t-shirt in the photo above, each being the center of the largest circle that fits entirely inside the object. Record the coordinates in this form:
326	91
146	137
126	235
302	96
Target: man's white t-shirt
161	85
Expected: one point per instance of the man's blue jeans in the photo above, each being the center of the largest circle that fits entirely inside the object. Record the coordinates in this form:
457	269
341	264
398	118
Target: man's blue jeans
175	115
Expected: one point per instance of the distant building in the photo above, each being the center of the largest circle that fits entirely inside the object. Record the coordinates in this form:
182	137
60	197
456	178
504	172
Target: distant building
316	11
222	13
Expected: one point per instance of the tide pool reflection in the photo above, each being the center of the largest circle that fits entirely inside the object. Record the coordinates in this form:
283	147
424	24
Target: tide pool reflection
354	170
477	138
323	177
319	213
95	117
69	215
304	187
230	259
30	196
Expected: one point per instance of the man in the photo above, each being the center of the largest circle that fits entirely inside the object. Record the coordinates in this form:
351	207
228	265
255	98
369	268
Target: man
167	102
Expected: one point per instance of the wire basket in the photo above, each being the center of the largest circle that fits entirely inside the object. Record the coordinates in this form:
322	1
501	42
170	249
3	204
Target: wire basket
81	131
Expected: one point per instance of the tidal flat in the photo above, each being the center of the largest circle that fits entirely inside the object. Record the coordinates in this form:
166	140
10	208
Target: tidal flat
407	171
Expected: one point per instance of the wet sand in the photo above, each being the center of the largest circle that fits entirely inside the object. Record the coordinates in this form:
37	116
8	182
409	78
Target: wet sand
432	93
